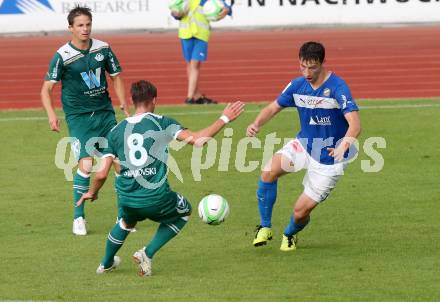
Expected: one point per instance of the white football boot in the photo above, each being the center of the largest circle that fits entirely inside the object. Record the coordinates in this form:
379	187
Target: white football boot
79	226
144	263
116	263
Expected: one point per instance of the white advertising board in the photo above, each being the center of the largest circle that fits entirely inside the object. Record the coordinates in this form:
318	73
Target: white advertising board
50	15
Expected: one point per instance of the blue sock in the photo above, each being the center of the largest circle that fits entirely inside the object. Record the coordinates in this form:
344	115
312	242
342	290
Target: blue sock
293	227
266	195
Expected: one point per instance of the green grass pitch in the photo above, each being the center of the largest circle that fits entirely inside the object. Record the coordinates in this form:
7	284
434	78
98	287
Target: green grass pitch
377	237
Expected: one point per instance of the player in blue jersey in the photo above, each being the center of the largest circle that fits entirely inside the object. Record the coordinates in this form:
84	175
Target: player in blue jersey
330	124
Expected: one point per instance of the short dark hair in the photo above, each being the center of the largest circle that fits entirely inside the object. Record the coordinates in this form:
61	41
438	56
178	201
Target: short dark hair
78	11
143	91
312	51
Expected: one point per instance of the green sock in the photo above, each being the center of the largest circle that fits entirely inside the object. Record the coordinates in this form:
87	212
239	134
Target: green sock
165	233
81	182
115	240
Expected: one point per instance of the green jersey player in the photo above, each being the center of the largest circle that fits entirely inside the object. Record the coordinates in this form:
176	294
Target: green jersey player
81	66
141	144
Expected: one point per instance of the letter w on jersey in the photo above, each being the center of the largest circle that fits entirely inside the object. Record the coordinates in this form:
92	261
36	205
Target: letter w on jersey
92	80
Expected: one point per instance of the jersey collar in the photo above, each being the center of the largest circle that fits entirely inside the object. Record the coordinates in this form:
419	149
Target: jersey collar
82	50
328	76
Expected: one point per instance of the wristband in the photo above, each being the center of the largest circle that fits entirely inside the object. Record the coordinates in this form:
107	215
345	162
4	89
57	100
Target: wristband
225	119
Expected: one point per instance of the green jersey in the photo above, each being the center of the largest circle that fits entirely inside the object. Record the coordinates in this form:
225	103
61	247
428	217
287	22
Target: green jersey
82	74
141	143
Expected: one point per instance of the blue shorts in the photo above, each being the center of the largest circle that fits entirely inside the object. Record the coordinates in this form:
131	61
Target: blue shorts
194	49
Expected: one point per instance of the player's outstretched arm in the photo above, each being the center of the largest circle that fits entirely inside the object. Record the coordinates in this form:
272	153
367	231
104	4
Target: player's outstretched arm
353	131
118	85
199	138
263	117
98	181
47	101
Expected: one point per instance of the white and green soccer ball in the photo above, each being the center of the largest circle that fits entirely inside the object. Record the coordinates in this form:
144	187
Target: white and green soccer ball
212	9
179	6
213	209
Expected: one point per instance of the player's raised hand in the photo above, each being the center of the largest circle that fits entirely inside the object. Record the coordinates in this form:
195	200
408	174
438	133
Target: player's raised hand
233	110
252	130
54	123
86	196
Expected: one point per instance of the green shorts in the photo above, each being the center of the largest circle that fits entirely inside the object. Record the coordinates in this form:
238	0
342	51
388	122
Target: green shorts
165	211
88	132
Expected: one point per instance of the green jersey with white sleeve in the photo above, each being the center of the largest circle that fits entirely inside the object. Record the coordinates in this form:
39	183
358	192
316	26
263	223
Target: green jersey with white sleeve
82	74
141	143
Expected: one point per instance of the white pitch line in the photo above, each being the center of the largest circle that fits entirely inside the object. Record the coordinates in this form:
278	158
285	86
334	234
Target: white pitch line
29	118
367	107
406	106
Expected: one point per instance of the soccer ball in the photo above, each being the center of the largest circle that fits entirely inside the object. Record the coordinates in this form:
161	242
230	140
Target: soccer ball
213	209
179	6
212	9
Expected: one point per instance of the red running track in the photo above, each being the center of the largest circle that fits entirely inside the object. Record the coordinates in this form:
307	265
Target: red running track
394	62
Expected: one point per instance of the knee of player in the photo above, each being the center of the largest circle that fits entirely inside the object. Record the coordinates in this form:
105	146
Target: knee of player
300	213
268	176
126	226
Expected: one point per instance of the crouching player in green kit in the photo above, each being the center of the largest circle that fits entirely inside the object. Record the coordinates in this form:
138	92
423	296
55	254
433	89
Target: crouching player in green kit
141	143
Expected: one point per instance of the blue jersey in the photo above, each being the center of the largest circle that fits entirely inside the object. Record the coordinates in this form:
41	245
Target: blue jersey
321	113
